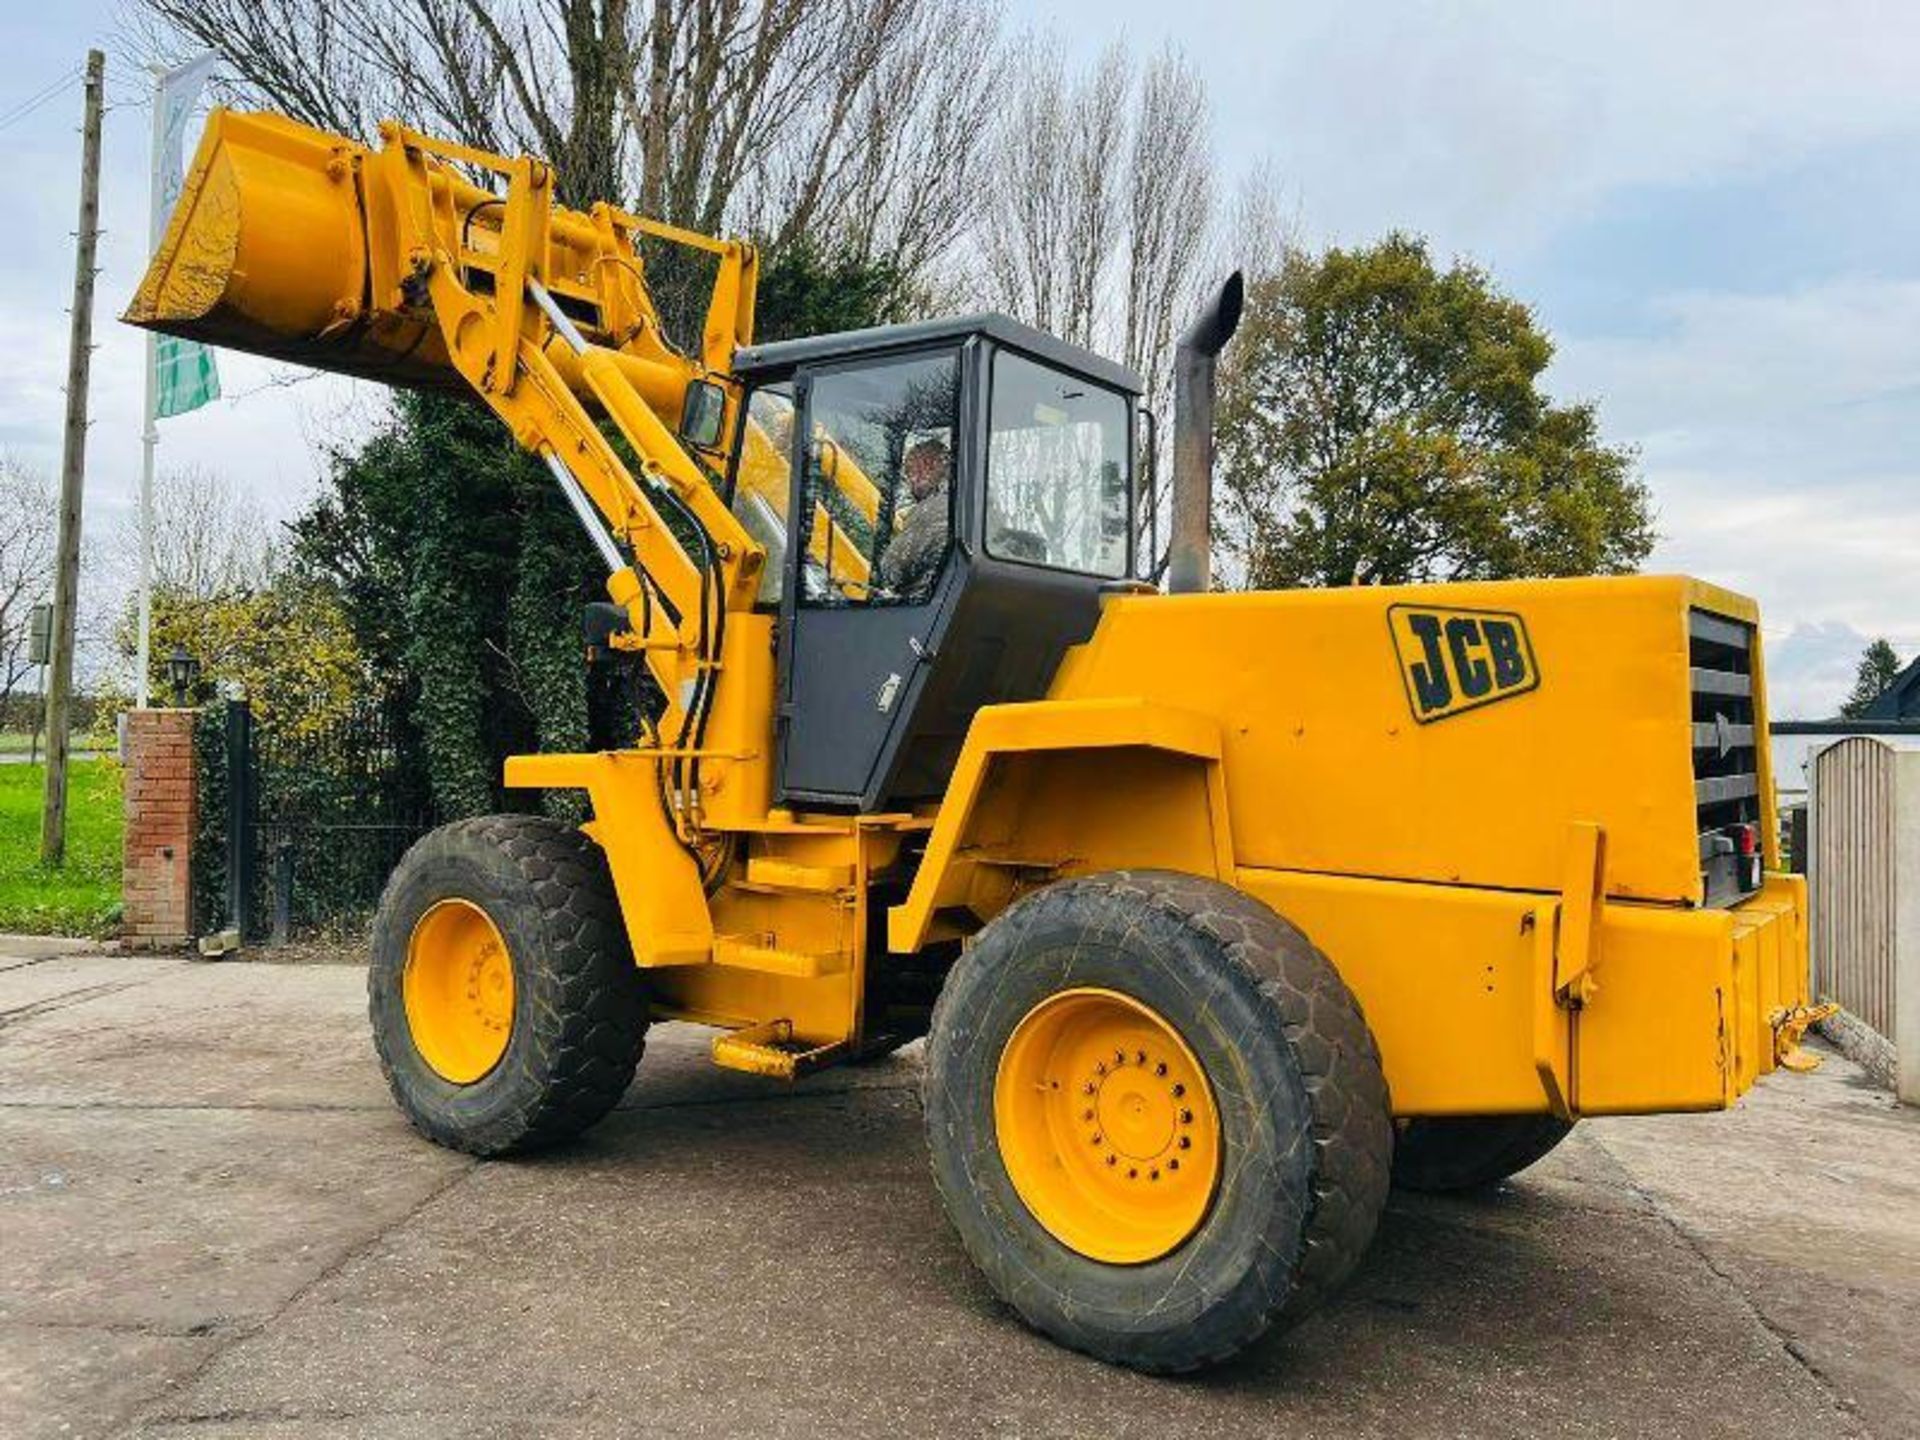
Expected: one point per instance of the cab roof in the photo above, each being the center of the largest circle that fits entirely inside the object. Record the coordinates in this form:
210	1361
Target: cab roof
764	362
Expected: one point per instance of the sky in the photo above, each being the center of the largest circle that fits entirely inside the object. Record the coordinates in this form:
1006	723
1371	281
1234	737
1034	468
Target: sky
1713	208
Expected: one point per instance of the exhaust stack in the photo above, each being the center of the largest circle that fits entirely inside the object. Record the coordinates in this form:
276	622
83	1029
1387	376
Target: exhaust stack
1190	561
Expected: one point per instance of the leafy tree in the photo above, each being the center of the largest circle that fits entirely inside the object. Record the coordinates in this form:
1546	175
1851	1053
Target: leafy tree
1381	422
1879	666
808	289
287	644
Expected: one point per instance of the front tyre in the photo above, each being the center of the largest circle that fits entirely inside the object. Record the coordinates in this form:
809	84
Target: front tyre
506	1008
1156	1117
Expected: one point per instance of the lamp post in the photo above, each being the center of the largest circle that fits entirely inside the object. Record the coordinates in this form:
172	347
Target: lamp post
182	669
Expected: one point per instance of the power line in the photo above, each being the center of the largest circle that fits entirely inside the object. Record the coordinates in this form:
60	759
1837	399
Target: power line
65	77
34	102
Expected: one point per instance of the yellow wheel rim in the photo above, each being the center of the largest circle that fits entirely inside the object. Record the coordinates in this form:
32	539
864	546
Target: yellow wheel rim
1107	1126
458	988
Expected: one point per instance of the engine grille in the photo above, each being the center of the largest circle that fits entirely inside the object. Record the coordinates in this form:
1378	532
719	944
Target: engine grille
1726	780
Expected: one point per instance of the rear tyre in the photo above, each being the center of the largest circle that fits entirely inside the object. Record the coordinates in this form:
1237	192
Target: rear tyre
1156	1117
1472	1152
506	1008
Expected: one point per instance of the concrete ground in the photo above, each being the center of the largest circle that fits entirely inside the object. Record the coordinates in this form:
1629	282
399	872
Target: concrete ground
213	1223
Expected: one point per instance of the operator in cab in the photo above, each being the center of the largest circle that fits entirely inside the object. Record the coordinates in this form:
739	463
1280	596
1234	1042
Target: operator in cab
910	562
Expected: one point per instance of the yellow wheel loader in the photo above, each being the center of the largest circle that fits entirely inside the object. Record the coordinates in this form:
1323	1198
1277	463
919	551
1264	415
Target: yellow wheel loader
1219	912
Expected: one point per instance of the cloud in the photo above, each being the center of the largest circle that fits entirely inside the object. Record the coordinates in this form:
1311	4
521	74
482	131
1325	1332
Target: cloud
1811	669
1491	124
1777	434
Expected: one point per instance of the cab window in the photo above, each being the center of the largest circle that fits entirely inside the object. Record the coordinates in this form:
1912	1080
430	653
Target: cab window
877	521
1058	469
763	480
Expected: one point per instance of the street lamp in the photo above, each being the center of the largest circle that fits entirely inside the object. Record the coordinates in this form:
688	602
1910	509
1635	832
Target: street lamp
182	669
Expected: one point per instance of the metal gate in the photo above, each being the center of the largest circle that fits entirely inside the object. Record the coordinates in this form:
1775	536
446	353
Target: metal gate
301	825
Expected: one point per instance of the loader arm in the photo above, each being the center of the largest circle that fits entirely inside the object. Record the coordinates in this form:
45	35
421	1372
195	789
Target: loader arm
391	263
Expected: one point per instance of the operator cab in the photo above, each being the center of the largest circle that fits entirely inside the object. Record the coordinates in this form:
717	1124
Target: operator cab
965	492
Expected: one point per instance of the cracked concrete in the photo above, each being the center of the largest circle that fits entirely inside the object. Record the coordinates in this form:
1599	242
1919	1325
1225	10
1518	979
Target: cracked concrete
213	1223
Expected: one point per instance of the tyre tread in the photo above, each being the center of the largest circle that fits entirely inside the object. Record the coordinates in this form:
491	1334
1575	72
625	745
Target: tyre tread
1339	1064
583	1056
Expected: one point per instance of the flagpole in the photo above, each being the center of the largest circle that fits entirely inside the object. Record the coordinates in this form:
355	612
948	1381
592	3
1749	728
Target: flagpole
150	432
149	440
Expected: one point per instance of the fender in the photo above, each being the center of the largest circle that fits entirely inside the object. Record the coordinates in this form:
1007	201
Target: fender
1065	787
661	898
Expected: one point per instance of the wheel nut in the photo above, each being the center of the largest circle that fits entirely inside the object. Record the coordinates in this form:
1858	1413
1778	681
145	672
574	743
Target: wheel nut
1087	1089
1186	1117
1119	1057
1140	1056
1113	1159
1153	1174
1174	1163
1161	1068
1186	1142
1178	1091
1086	1114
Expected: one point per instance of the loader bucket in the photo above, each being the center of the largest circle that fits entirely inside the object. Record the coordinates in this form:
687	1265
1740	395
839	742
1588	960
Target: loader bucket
266	251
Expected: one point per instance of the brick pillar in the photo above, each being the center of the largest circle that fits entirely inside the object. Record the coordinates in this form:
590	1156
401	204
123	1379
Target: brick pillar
162	812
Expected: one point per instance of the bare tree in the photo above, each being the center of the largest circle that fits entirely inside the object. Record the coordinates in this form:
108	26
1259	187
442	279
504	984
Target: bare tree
905	184
1170	205
1055	215
27	517
210	540
1101	214
1261	227
848	121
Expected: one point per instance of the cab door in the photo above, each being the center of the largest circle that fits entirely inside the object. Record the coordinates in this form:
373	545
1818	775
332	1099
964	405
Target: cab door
871	565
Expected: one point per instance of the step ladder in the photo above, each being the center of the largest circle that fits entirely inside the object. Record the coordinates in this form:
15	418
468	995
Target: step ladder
735	952
771	1050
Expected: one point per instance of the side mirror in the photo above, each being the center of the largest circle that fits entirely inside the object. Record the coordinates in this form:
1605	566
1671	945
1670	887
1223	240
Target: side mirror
703	414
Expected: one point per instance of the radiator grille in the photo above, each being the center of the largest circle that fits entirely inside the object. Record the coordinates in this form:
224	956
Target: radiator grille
1726	778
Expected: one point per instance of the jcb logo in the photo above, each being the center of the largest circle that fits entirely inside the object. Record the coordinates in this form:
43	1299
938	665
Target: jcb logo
1458	660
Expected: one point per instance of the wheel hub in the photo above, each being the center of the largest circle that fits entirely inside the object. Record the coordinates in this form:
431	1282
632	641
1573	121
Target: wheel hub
459	991
1107	1125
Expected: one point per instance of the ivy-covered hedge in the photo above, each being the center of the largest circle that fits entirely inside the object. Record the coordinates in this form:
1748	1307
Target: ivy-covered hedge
209	869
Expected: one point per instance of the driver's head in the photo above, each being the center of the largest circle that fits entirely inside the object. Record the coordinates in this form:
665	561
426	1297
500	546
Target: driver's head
927	466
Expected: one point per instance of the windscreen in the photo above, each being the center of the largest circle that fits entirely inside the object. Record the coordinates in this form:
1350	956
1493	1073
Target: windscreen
1057	469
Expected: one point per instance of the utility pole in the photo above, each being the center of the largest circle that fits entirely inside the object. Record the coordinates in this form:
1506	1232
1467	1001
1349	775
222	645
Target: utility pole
73	472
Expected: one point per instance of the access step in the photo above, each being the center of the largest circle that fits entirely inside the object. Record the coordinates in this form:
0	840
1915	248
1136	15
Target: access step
737	954
770	1050
764	872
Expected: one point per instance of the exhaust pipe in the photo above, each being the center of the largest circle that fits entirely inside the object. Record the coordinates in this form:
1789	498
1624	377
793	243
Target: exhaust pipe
1190	559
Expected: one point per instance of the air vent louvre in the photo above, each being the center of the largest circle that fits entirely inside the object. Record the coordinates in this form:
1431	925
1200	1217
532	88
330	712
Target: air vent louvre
1725	759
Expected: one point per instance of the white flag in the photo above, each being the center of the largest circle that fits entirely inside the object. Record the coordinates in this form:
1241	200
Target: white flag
184	375
175	95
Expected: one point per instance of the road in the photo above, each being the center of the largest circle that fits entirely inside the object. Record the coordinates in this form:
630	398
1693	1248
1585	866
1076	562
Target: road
214	1224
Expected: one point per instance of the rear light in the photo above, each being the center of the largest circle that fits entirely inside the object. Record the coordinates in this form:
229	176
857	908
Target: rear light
1747	838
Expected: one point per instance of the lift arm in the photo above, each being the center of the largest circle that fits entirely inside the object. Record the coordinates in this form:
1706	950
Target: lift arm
391	263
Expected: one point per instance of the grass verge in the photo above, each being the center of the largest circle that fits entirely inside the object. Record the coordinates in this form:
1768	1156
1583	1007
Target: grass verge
81	897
